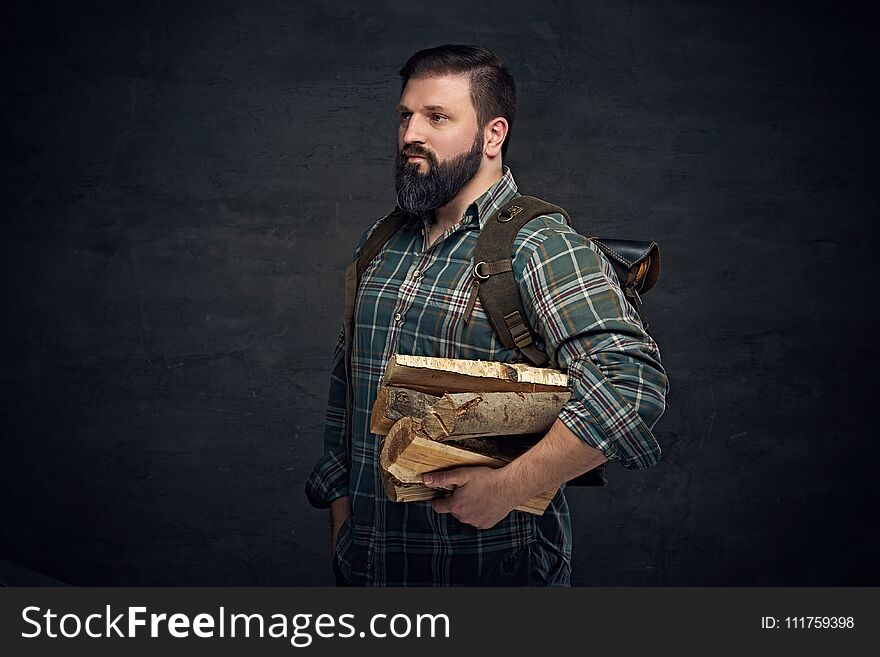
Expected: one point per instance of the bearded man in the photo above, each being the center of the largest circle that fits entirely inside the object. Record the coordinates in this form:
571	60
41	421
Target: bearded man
456	112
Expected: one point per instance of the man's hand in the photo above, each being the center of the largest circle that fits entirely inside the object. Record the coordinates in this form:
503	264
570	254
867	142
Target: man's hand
340	510
483	496
479	498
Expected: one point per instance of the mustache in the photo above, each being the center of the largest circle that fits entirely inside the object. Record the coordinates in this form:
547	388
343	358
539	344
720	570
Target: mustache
418	151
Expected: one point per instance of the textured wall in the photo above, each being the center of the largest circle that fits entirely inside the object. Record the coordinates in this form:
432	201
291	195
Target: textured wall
184	182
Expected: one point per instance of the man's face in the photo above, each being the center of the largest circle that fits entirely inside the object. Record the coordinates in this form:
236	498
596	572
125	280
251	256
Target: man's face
438	124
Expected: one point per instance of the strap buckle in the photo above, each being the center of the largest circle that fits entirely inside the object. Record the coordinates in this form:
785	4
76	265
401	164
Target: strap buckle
518	329
478	273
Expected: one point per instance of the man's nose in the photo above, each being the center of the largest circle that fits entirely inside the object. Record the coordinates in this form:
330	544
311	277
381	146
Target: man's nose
415	131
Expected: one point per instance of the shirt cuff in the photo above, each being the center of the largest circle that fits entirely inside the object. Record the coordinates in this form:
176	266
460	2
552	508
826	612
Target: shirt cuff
329	478
597	414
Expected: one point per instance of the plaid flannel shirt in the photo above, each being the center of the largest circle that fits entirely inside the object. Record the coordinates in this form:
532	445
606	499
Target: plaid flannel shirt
411	300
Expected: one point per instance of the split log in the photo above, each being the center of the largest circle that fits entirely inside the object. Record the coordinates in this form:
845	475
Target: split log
406	455
393	404
436	376
398	491
468	414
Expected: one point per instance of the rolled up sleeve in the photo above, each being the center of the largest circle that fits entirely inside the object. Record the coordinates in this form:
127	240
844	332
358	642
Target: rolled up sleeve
329	478
618	384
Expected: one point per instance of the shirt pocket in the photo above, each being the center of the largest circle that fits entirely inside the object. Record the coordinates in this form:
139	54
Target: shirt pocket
439	310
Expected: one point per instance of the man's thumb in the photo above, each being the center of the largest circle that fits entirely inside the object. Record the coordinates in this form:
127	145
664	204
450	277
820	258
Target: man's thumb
448	479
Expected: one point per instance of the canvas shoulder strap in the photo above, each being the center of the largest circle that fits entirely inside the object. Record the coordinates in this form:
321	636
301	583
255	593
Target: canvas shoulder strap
353	273
355	270
494	281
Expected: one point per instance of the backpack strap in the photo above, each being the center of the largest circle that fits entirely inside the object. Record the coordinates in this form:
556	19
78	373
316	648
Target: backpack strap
353	273
389	225
494	281
498	290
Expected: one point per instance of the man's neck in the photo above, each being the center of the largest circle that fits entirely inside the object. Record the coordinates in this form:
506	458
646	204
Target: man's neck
451	213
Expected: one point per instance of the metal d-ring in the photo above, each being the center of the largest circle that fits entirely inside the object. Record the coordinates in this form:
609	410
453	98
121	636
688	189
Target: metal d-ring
477	272
506	215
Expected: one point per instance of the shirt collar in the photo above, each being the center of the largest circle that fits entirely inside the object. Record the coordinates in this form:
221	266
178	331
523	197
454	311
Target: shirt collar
494	198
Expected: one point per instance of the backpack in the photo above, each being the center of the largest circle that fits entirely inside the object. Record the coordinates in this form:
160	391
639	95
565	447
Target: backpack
636	264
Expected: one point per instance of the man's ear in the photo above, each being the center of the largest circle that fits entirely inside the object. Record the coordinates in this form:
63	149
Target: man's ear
495	133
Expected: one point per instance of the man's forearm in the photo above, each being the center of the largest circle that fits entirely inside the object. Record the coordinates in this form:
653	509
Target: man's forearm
559	457
483	496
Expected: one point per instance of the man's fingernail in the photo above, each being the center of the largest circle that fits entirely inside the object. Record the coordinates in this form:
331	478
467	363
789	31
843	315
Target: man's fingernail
428	479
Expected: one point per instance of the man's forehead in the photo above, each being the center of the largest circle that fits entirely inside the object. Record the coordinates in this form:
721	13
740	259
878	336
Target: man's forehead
446	93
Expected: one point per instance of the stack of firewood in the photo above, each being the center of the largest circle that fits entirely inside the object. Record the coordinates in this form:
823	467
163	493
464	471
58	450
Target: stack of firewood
441	413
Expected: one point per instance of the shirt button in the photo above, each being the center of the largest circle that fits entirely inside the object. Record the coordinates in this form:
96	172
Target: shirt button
417	274
397	317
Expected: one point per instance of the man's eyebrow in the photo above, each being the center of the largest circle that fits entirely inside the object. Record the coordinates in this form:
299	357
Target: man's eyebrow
430	108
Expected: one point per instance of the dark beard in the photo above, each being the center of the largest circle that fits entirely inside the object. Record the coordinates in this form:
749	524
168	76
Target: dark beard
419	192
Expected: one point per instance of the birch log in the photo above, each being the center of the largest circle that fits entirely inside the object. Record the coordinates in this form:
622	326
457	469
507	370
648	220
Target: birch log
436	376
468	414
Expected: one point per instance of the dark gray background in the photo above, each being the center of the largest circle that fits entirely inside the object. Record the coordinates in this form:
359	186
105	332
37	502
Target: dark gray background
183	184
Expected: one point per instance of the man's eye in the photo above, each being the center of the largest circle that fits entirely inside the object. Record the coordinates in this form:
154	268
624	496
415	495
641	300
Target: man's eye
405	115
438	117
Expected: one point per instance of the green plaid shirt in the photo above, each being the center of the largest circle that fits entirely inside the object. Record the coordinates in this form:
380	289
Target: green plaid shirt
411	300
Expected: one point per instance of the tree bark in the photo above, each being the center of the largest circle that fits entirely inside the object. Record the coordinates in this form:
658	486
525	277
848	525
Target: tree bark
469	414
436	376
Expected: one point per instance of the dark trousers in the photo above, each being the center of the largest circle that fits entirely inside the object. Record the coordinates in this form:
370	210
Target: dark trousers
337	573
524	567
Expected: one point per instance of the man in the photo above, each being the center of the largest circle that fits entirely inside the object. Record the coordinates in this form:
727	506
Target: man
456	111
